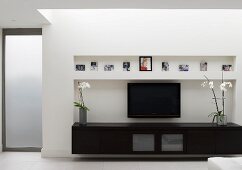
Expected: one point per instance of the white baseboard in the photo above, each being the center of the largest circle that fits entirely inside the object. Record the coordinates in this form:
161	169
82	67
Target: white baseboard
45	153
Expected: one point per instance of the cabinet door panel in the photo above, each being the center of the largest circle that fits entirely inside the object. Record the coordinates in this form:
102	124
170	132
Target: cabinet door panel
172	142
85	142
143	142
229	142
200	142
115	142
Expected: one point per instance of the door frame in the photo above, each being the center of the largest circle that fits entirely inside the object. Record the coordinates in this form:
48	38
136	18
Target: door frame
6	32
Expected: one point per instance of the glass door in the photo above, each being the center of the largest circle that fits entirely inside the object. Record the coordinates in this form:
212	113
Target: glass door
22	92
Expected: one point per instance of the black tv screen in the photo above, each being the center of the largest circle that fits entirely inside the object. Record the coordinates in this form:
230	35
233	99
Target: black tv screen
154	100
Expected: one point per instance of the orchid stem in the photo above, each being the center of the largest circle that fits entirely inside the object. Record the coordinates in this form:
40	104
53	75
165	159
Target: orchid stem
215	98
223	92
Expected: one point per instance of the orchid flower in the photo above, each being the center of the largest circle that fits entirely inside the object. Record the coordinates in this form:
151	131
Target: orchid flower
81	87
204	83
223	87
210	83
211	86
224	84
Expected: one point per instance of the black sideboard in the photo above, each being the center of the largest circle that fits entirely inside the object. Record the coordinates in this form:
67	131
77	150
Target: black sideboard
156	138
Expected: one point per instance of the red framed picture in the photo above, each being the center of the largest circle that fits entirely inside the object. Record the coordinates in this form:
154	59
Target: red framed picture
145	63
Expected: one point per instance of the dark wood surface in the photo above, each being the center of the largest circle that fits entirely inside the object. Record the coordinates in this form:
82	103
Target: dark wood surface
116	138
201	142
113	142
85	142
229	141
155	125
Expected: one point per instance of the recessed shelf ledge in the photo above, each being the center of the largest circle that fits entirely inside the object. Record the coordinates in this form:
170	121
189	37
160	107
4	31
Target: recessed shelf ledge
190	75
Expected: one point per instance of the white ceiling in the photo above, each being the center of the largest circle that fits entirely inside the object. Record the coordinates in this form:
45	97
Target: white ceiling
23	13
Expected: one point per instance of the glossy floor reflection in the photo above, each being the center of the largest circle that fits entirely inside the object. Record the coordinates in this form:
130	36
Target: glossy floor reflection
33	161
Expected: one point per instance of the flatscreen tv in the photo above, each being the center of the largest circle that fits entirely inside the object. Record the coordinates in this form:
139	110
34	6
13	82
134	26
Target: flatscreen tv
150	100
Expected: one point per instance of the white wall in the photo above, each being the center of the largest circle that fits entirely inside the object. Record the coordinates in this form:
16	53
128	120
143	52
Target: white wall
0	90
129	32
107	101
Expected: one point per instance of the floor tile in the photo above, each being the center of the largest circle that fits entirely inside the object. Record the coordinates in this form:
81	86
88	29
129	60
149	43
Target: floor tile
84	166
33	161
121	165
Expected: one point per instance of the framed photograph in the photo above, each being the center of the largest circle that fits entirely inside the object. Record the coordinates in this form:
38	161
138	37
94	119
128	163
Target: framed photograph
165	66
183	67
94	66
126	66
108	67
145	63
203	66
80	67
226	67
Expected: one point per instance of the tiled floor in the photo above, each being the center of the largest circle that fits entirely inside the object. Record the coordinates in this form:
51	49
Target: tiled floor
33	161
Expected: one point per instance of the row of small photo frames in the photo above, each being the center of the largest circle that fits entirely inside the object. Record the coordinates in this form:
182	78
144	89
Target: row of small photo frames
107	67
204	66
145	64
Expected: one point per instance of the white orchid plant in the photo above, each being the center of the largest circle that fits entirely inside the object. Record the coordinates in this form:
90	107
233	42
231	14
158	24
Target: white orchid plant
80	103
223	87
